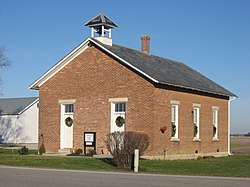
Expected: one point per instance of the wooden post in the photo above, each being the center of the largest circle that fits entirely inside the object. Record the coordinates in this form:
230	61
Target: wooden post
136	160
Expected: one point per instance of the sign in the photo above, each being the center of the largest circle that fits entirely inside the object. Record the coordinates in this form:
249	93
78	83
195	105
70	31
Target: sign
89	140
89	143
89	137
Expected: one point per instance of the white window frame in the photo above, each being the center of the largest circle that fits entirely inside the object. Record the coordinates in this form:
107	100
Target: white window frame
175	121
196	122
215	123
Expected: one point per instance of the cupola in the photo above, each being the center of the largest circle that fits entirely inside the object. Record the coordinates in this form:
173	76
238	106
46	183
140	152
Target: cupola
101	27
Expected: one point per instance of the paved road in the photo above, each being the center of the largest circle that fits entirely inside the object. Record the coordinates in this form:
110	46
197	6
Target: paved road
32	177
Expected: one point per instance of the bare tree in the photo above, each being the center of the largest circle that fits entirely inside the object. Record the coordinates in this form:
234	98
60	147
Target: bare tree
122	145
4	61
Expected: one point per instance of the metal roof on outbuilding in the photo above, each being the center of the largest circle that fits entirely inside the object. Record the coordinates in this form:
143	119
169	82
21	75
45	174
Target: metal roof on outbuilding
15	106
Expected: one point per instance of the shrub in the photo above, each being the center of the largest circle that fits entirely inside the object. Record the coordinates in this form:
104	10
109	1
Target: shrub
92	152
23	151
205	157
41	149
78	151
199	157
122	145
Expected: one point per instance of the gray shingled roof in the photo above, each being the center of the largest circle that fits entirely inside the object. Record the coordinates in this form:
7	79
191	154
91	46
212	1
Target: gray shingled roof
13	106
168	71
99	20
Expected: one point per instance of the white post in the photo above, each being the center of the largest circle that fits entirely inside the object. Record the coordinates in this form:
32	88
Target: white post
109	33
92	32
136	160
229	124
102	30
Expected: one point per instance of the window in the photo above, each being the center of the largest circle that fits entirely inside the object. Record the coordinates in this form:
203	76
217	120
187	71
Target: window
196	115
215	124
69	108
120	107
174	121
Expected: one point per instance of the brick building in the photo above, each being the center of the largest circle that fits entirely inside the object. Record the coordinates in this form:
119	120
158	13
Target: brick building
180	110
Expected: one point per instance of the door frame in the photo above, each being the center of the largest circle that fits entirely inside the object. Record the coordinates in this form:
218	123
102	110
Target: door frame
113	101
63	125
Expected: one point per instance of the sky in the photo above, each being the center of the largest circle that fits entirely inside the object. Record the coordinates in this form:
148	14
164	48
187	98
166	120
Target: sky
210	36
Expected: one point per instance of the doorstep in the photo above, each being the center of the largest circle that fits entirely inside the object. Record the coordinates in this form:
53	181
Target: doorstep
103	156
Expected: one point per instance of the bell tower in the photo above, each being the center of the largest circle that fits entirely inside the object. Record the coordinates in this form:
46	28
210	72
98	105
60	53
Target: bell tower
101	27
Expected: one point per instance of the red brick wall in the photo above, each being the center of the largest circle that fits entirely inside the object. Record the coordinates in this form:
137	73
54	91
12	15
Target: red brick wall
93	77
186	145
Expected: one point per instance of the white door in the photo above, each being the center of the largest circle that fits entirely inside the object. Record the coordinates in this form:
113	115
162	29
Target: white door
67	126
118	116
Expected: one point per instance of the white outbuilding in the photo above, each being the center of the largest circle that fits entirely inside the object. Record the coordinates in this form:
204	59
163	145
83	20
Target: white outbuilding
19	120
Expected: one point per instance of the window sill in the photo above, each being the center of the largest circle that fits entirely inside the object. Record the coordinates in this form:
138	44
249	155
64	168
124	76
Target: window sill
196	139
174	139
215	139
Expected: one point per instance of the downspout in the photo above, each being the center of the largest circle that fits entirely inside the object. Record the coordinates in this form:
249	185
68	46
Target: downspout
229	124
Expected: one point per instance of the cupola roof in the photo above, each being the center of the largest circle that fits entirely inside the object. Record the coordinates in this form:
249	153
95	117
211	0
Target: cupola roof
101	20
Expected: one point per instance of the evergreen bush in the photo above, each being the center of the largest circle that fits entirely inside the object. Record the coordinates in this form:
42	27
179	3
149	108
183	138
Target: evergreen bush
41	149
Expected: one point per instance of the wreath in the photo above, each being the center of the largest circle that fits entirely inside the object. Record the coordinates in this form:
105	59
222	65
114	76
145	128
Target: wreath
163	129
214	131
69	121
173	130
120	121
195	130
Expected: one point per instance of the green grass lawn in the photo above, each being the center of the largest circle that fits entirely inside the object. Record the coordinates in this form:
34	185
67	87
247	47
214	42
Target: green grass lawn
14	151
237	166
12	158
56	162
